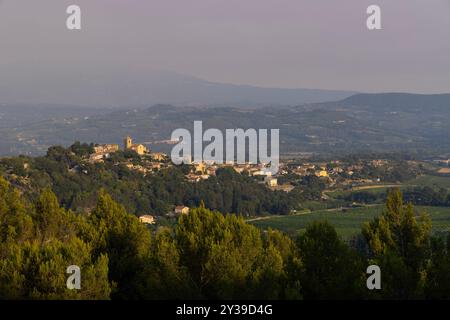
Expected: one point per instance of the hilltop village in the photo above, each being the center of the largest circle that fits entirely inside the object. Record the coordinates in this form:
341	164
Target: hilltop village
146	162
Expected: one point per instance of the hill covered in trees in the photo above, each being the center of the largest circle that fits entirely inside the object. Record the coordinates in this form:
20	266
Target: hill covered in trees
209	256
76	183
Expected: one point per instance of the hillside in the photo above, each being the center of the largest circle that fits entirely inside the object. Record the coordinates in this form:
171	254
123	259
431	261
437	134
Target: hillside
405	101
361	123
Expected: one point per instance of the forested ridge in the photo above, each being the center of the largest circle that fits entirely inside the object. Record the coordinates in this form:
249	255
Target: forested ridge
208	255
77	182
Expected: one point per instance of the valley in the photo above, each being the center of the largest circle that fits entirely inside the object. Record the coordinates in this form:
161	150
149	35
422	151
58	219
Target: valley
413	124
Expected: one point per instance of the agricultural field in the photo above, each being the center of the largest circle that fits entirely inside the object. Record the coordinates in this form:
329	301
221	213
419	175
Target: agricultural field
336	194
347	222
421	181
431	181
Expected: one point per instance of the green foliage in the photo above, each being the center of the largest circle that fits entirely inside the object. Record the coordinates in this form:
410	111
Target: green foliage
277	270
219	251
82	149
438	272
165	277
126	242
331	269
37	245
399	244
208	255
35	271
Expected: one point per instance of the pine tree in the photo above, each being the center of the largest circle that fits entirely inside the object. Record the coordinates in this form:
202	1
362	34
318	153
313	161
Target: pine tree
331	270
399	244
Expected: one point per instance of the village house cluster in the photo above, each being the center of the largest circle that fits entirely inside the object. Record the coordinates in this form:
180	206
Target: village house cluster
339	172
333	172
204	170
154	161
104	151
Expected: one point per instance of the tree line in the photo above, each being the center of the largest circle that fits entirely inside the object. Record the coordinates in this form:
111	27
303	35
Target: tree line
209	255
420	195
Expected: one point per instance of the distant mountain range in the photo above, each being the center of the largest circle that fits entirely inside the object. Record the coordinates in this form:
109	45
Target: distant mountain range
407	101
106	88
360	123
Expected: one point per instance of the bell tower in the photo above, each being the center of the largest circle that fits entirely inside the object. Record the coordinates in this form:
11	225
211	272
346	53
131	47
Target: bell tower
127	142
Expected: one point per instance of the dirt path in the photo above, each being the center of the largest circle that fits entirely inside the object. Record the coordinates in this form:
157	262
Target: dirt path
377	186
309	212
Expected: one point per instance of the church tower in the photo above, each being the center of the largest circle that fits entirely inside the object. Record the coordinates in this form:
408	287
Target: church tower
127	142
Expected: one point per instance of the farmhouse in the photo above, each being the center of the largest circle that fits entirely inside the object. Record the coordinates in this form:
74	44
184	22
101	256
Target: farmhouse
147	219
181	210
270	181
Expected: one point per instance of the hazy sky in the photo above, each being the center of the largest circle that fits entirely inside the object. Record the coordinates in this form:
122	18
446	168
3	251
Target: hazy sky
283	43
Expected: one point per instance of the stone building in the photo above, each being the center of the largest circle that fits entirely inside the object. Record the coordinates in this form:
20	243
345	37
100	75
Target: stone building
140	149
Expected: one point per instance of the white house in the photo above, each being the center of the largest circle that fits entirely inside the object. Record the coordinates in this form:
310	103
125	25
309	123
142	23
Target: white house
147	219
